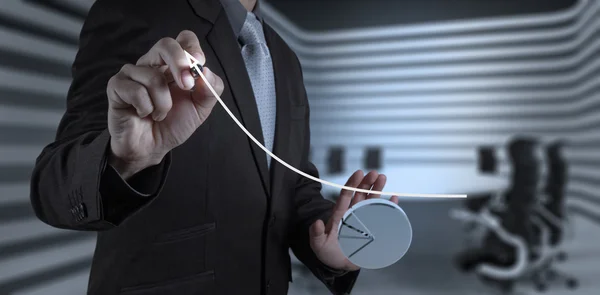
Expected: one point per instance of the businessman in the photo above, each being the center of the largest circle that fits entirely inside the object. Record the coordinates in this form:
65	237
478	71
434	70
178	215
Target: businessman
183	202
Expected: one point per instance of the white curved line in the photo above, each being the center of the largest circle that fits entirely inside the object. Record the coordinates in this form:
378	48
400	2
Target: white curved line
446	27
195	65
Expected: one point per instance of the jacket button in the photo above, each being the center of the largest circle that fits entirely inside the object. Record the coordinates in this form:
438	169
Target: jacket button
79	211
82	210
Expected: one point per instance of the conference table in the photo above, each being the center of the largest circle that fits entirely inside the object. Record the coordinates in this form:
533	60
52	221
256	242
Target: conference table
426	180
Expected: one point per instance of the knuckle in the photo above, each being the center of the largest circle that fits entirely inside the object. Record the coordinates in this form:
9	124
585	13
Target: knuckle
126	68
111	90
114	83
185	34
167	104
165	42
212	78
138	92
111	82
164	106
220	85
157	79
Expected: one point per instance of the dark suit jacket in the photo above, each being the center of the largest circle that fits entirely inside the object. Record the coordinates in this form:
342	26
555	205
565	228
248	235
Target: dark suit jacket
211	218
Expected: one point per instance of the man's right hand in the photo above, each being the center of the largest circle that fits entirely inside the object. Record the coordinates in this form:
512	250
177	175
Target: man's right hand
156	105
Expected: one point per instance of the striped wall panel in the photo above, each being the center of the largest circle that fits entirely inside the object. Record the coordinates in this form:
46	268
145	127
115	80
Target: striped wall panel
427	94
38	41
430	94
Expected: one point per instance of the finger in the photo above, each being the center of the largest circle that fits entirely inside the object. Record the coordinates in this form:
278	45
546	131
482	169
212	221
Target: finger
156	85
366	183
317	234
167	73
168	51
126	93
378	186
202	97
215	81
343	201
394	199
190	43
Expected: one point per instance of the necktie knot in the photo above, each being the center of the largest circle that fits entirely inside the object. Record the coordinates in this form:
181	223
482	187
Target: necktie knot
252	32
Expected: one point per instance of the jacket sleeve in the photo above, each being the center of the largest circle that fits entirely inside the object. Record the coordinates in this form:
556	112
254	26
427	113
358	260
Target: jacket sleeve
309	207
72	186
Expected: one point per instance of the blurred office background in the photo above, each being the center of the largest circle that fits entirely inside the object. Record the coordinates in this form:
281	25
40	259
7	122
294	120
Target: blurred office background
414	88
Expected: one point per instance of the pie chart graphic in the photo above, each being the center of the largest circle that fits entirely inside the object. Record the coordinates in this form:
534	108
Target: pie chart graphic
375	233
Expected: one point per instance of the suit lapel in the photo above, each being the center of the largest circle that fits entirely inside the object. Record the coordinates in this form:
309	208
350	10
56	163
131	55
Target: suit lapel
282	129
222	40
206	9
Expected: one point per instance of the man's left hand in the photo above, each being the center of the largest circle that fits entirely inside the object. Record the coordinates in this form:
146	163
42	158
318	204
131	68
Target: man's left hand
324	238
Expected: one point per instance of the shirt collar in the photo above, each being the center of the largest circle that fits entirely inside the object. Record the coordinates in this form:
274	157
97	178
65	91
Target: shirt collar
236	13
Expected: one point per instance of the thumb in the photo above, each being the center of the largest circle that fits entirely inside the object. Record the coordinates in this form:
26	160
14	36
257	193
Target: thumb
215	81
201	94
317	234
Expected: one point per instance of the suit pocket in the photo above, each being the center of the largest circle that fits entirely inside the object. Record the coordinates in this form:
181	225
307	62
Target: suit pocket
201	283
298	112
171	257
183	234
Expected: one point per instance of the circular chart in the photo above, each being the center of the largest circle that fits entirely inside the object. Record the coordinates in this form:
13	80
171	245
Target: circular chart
375	233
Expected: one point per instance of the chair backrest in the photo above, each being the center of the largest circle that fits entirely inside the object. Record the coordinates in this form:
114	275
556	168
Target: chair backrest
556	180
488	162
525	163
335	160
522	195
372	158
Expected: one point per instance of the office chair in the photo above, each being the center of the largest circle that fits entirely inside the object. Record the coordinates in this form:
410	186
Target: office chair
372	158
335	160
507	249
551	213
487	164
537	243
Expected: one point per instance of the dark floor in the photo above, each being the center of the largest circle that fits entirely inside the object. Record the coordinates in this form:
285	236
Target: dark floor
427	269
